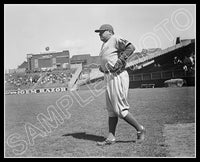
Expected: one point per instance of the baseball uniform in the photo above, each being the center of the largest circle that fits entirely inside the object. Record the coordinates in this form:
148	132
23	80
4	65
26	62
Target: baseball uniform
117	85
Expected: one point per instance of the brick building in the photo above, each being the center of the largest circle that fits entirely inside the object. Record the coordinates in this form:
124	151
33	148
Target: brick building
50	60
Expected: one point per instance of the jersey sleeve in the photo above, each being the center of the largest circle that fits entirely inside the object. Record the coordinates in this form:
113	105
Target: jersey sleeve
125	48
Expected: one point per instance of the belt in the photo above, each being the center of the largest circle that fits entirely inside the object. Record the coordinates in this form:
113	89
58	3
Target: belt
116	72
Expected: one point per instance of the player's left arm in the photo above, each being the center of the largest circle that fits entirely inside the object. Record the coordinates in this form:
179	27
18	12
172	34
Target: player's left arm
125	49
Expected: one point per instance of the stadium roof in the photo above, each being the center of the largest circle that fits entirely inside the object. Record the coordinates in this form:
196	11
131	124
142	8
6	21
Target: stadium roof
160	53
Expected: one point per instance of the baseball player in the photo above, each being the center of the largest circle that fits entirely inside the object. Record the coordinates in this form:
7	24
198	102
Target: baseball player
113	55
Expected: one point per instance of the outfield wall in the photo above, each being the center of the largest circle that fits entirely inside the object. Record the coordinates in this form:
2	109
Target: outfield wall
190	81
39	90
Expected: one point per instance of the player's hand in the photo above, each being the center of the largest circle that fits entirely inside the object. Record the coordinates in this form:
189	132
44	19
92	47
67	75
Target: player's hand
100	69
119	65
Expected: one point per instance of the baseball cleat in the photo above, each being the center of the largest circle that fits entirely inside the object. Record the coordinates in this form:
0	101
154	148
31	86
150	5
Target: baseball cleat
106	142
141	135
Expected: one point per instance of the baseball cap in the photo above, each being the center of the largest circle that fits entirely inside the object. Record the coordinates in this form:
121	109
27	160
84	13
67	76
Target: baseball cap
105	27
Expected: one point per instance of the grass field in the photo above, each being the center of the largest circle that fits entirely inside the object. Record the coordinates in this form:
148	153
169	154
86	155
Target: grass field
160	110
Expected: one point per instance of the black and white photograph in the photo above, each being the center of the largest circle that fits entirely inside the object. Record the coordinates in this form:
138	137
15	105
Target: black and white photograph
99	80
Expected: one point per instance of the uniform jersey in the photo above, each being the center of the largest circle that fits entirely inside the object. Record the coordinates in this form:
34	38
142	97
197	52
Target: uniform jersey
111	50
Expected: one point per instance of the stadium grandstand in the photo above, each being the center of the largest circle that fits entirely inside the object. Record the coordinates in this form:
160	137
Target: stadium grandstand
175	62
50	69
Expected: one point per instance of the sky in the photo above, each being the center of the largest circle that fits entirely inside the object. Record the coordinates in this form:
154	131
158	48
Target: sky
29	29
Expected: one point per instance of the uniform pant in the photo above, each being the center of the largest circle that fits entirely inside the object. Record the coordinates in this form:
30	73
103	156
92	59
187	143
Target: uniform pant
117	86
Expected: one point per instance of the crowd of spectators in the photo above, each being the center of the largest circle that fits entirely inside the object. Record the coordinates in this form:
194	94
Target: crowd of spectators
24	81
52	78
20	81
188	63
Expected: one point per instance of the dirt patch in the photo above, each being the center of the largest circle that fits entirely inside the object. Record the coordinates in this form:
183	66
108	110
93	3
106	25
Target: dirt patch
181	139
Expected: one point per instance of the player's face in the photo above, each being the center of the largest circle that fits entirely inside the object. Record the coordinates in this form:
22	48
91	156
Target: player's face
104	35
